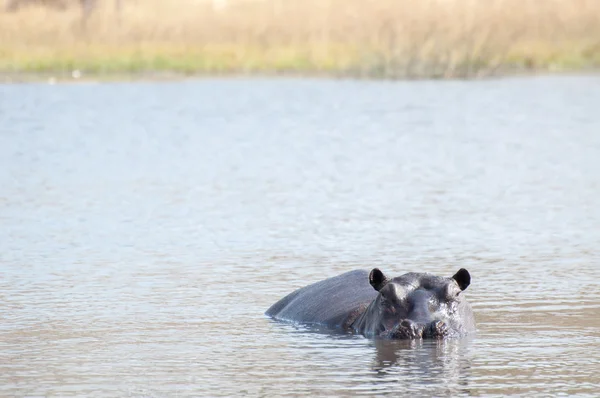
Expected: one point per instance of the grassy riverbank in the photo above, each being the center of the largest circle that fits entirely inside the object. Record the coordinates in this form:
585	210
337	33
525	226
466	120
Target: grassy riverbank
379	38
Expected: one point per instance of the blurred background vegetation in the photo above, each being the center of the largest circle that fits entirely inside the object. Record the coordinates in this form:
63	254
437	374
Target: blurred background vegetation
370	38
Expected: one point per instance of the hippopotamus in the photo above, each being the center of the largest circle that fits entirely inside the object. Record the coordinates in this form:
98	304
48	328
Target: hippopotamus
410	306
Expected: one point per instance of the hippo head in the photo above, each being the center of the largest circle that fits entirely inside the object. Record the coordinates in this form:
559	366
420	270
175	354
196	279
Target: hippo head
417	305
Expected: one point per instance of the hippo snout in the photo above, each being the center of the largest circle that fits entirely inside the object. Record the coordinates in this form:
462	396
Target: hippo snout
408	329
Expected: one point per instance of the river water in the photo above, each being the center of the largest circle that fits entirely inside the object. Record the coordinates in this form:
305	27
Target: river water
146	227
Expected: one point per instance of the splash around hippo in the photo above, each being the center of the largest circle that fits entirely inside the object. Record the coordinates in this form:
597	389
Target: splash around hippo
410	306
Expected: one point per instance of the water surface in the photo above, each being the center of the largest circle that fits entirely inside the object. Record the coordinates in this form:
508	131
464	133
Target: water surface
146	227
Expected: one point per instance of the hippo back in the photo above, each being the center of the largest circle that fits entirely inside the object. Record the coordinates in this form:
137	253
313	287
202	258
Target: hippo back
334	302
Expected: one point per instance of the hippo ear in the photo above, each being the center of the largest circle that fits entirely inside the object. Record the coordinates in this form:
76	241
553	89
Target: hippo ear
377	279
463	278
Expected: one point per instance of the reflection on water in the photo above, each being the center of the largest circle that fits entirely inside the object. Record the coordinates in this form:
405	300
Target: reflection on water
145	228
424	365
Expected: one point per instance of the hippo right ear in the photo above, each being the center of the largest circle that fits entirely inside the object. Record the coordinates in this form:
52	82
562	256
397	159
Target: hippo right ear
463	278
377	279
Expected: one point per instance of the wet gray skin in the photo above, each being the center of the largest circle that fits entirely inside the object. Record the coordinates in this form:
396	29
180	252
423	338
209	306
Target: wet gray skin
411	306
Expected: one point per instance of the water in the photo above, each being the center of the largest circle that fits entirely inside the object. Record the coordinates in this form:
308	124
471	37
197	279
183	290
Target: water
146	227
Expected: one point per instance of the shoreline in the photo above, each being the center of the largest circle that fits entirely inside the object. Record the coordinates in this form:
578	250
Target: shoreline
83	77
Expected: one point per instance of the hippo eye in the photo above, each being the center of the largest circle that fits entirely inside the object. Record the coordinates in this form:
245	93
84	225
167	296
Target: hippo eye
399	292
386	302
452	292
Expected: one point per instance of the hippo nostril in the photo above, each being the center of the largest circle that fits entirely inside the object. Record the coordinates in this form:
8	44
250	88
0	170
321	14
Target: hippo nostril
407	329
436	329
407	323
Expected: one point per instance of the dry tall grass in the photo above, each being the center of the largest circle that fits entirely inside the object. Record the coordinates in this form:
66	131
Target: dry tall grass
384	38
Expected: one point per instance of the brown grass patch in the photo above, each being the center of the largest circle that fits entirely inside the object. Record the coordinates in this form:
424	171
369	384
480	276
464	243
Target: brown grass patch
382	38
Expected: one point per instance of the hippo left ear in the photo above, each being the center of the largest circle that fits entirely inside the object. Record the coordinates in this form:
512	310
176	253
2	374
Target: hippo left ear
463	278
377	279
